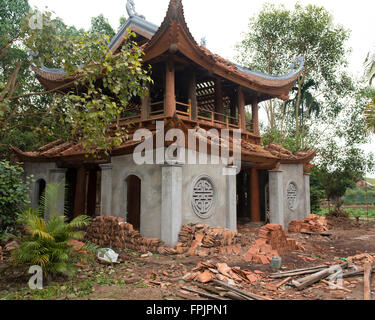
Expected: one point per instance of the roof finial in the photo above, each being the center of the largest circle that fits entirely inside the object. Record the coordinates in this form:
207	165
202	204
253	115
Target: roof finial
130	8
204	42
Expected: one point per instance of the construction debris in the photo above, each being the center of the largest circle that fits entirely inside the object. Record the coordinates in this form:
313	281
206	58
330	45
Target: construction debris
116	233
272	241
202	240
312	224
362	258
206	272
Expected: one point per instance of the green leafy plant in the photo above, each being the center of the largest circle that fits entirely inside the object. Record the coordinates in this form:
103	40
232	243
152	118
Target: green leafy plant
47	241
14	191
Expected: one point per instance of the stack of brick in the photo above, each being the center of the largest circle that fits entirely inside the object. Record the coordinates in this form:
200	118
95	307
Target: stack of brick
202	240
272	241
116	233
312	223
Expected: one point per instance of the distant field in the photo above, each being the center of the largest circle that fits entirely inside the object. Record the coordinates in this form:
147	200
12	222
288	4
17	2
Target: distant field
353	212
371	180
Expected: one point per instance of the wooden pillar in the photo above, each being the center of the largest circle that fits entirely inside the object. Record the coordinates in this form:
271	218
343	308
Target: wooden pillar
146	106
219	100
80	196
192	93
241	109
254	196
91	193
170	95
255	120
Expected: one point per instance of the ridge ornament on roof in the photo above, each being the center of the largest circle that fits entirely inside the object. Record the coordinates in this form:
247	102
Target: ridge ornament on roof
130	8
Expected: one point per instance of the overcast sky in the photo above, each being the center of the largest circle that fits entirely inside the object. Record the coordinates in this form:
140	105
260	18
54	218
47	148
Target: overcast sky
222	22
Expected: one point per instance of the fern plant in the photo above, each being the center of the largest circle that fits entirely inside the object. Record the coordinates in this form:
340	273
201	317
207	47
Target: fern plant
46	242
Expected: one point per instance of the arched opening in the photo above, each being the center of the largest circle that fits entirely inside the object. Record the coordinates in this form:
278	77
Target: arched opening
41	188
133	210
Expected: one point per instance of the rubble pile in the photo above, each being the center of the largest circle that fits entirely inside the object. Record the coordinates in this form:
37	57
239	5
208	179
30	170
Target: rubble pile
312	223
362	258
115	232
202	240
207	271
271	242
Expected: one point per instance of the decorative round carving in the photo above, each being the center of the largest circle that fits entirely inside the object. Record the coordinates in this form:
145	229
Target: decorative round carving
291	195
203	197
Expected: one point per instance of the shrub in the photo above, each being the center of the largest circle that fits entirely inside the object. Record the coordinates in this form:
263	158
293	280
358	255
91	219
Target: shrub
46	242
14	192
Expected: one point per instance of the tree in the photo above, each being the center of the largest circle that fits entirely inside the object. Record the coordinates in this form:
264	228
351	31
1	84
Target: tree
370	109
338	168
101	26
13	195
275	37
107	83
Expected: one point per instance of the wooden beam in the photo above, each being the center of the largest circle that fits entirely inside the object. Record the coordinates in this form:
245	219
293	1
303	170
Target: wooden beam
170	95
192	92
241	108
255	113
91	193
219	106
254	195
367	282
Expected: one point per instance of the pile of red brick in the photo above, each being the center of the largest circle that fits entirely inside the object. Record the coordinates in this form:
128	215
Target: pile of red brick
312	223
207	271
272	241
116	233
202	240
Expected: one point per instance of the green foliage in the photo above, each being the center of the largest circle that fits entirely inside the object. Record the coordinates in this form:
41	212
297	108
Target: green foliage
47	240
101	26
13	195
325	93
339	168
29	117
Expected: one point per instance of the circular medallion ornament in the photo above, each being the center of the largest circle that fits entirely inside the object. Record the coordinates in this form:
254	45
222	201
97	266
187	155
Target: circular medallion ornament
291	195
203	197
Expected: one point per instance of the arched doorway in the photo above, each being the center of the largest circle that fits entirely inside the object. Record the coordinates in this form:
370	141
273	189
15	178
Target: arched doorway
133	210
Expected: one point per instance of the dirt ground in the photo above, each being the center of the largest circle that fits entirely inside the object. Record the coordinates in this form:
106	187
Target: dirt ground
158	277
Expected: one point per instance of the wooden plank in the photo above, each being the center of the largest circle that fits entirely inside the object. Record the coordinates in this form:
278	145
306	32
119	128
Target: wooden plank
297	272
285	281
204	294
246	294
336	286
367	282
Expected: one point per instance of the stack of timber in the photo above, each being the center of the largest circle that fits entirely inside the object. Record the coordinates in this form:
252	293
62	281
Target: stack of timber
272	242
312	224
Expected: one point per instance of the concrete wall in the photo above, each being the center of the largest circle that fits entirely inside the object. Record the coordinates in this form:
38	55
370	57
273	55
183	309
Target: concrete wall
50	173
159	189
280	211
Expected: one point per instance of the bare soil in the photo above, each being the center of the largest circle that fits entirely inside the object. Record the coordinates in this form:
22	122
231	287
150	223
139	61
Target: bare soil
160	277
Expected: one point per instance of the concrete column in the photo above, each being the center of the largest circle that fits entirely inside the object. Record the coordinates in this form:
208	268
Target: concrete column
276	197
254	196
306	178
58	176
171	208
106	190
231	198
